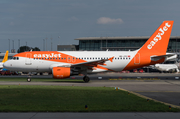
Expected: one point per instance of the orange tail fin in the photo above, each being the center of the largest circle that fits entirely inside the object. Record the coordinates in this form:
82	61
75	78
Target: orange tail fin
158	42
5	57
155	47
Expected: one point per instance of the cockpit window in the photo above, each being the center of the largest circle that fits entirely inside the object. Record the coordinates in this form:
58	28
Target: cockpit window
15	58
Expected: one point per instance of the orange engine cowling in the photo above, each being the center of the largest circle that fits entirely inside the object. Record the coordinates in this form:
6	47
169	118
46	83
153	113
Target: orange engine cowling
61	72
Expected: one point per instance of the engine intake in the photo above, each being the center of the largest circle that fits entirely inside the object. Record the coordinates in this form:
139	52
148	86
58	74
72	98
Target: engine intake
61	72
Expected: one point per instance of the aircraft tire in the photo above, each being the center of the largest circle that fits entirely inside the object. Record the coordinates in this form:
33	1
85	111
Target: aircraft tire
28	79
86	79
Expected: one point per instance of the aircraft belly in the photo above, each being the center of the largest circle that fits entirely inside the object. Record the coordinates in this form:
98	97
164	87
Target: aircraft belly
117	65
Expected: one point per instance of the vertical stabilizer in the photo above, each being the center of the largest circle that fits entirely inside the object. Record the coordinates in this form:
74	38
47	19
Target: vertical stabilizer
158	42
155	46
5	57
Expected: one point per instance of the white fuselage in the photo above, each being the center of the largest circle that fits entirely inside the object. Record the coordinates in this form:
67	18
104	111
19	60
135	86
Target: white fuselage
1	65
120	61
166	67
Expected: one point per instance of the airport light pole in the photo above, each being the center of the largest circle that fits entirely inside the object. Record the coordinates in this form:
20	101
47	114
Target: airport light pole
9	44
19	43
51	43
46	43
59	39
43	44
13	44
26	45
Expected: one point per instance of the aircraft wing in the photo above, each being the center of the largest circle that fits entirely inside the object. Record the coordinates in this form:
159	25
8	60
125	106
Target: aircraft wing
93	63
167	56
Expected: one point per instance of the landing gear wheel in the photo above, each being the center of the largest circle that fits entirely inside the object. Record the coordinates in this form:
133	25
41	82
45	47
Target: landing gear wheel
28	79
86	79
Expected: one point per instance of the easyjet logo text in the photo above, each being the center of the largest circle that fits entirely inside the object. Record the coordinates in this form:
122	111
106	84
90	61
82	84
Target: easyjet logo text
52	55
158	36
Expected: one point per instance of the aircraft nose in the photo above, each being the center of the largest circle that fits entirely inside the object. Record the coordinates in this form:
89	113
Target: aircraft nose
156	65
6	65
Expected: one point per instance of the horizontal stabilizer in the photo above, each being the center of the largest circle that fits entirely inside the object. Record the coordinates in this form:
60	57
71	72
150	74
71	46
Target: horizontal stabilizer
156	58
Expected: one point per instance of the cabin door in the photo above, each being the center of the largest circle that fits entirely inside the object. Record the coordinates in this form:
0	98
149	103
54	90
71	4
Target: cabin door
137	59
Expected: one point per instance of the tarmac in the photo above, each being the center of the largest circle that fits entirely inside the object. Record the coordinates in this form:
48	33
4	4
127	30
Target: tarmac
111	115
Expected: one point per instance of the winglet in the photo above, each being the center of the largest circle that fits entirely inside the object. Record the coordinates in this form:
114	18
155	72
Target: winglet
111	59
5	57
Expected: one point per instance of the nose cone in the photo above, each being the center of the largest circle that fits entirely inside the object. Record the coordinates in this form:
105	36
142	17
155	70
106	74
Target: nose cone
157	65
6	65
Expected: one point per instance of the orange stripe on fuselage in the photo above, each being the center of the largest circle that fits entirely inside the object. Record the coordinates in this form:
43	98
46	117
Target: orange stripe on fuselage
144	60
52	55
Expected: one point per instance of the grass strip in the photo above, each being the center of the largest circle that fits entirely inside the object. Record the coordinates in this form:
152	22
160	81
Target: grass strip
27	98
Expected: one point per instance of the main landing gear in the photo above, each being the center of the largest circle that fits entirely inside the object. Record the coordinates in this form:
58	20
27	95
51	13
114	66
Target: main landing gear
86	79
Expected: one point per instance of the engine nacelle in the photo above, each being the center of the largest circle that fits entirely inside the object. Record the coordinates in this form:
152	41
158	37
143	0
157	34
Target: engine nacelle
61	72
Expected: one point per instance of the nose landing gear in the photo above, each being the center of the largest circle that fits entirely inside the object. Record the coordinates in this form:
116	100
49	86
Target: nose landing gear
29	78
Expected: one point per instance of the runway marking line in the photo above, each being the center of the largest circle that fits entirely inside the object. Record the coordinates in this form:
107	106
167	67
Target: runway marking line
145	97
158	91
136	79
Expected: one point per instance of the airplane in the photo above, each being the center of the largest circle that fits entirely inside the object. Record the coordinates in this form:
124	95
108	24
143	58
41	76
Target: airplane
63	64
168	67
4	60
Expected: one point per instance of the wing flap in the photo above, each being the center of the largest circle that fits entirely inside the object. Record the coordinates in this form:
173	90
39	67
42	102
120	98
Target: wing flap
93	63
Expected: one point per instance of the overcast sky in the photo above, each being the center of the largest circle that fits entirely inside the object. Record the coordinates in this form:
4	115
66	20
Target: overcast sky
32	21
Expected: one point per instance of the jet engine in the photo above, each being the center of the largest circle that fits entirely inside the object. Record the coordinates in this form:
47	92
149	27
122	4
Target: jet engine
61	72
